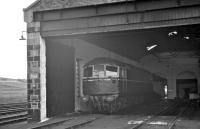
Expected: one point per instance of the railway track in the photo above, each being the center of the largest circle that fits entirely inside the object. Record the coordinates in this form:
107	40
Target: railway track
165	119
88	121
12	113
67	123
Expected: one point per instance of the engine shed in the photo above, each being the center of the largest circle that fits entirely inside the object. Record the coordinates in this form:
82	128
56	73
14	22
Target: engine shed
162	37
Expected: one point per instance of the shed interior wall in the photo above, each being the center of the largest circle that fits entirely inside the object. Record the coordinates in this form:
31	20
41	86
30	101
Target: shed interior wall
60	79
171	68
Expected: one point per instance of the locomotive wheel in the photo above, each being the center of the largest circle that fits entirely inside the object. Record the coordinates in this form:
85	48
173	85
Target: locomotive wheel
111	108
118	105
114	106
102	106
121	104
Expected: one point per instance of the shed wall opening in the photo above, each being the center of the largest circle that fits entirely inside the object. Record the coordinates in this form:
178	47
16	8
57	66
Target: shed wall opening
185	87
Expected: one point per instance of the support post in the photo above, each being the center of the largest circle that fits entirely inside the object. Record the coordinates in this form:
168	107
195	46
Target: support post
36	60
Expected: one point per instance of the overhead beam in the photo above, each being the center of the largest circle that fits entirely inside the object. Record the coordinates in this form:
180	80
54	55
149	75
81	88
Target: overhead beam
122	21
110	8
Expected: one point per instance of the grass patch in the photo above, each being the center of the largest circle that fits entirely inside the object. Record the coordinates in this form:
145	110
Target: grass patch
12	91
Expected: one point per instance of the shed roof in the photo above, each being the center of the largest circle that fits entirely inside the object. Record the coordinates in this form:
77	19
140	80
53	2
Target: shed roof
40	5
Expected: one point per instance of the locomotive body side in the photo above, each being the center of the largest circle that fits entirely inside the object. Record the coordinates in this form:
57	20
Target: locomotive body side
140	86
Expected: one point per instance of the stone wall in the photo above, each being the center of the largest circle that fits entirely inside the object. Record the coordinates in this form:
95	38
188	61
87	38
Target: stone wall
36	73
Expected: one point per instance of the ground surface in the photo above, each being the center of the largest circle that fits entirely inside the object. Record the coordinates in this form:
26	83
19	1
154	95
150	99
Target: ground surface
191	121
12	91
117	122
122	120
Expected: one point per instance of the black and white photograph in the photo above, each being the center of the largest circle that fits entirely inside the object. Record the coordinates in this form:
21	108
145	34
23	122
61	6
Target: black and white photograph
100	64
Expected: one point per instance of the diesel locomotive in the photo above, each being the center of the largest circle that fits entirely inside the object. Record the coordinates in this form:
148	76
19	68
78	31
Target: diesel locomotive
110	85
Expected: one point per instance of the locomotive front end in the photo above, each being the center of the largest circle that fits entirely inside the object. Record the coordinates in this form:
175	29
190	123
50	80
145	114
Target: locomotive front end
101	86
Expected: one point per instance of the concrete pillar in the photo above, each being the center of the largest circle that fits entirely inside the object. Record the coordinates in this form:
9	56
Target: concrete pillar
171	80
78	85
79	104
36	73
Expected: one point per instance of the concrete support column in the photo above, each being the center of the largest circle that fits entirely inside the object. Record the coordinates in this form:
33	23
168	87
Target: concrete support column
79	104
36	73
77	85
171	79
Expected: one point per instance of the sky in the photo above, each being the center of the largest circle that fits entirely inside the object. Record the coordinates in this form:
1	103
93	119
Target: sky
13	60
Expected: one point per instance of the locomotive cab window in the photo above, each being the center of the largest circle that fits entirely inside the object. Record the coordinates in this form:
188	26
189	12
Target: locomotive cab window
111	71
88	71
98	71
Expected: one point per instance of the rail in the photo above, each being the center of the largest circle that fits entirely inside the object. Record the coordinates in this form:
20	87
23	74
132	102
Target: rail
13	113
167	110
73	122
171	124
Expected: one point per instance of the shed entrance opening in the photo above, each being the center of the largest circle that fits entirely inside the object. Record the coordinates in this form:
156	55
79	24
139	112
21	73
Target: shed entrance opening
185	87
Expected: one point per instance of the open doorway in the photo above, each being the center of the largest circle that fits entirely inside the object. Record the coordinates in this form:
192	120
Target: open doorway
186	86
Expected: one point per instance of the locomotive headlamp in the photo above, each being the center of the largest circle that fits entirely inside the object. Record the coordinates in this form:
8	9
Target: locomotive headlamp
85	98
110	98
